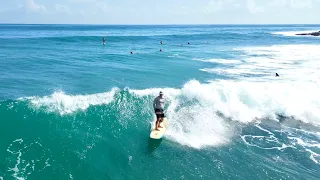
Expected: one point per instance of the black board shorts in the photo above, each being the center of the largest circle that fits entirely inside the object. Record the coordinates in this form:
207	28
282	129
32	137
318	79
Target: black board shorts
159	113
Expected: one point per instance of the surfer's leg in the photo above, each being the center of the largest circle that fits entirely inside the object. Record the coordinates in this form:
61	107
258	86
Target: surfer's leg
160	120
157	122
157	125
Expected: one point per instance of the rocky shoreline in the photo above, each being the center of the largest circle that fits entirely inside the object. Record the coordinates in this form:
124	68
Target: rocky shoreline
310	34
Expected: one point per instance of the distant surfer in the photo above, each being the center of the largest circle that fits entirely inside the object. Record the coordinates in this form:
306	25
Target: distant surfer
158	105
161	42
131	52
103	41
160	50
188	43
277	75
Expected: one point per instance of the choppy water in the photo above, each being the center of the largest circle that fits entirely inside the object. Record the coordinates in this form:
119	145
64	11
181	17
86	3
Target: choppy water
71	108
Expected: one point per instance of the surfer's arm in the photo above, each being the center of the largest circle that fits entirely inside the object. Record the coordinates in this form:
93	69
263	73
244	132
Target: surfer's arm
154	103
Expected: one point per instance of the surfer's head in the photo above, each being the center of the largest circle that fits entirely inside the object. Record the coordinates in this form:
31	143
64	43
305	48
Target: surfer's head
161	94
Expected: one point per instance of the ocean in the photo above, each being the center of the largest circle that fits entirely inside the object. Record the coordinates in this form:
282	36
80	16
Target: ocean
73	108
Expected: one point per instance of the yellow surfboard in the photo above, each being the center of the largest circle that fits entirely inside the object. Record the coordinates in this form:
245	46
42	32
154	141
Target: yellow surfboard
158	134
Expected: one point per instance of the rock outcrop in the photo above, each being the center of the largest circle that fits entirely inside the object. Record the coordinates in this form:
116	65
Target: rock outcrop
310	34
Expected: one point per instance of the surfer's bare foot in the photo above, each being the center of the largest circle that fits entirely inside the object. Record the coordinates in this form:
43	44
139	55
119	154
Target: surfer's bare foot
160	127
157	129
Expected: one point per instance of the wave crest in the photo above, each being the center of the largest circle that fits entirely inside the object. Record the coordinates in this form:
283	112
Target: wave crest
193	111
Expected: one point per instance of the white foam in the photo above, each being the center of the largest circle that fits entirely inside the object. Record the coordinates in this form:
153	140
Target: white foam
271	141
265	138
15	169
192	109
168	92
65	104
23	166
291	62
309	146
220	61
192	117
312	144
243	71
313	156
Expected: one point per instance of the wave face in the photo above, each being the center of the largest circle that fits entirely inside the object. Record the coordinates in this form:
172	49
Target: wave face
202	116
71	108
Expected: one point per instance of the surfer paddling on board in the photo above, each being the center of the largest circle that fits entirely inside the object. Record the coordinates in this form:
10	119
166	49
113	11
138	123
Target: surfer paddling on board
158	105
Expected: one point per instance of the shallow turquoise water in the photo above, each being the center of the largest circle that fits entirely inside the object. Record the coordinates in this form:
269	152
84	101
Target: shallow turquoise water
71	108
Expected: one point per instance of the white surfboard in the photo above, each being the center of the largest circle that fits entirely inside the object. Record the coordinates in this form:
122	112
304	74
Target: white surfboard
158	134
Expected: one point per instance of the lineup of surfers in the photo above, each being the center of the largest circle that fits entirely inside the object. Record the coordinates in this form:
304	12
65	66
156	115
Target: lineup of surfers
104	43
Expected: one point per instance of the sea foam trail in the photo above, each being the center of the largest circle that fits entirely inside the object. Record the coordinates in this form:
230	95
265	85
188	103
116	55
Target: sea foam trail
292	62
192	110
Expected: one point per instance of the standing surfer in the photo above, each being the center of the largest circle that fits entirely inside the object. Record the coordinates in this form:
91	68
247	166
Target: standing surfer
158	105
103	41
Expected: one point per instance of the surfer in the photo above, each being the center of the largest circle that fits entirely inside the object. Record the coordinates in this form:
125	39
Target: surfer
158	105
103	41
161	42
277	75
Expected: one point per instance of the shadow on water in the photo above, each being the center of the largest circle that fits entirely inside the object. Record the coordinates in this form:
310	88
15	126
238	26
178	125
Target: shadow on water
153	144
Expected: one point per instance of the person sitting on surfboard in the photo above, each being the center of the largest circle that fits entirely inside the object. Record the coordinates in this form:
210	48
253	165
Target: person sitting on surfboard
158	105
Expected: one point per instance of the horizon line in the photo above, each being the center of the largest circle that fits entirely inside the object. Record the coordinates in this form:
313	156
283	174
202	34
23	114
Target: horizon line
146	24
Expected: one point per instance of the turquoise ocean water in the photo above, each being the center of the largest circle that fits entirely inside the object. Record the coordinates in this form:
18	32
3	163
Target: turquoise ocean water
71	108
